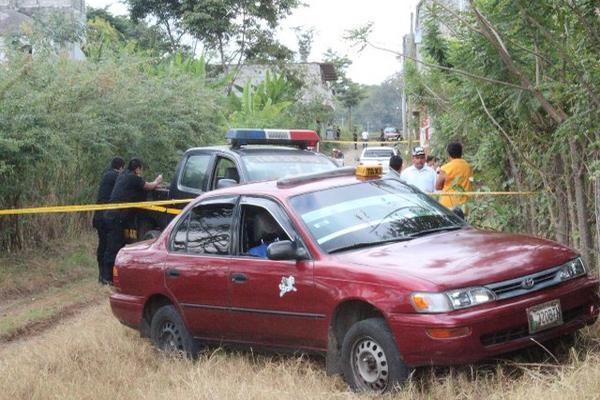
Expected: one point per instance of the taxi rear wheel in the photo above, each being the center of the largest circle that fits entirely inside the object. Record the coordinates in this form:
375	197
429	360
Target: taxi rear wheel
169	334
371	361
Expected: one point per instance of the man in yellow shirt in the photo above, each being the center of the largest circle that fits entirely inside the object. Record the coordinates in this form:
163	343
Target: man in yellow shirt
454	176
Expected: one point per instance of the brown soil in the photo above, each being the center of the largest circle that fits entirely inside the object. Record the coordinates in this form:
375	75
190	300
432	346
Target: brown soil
27	331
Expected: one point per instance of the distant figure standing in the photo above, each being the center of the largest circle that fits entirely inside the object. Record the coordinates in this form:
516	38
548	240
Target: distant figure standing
455	175
433	162
355	139
104	190
395	167
419	174
129	187
338	133
382	138
365	139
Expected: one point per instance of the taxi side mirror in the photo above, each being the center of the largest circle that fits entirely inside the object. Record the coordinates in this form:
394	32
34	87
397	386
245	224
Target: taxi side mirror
286	250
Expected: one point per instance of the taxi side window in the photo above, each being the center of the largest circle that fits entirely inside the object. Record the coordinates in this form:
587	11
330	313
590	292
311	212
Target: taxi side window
179	239
195	171
225	169
209	230
206	230
259	229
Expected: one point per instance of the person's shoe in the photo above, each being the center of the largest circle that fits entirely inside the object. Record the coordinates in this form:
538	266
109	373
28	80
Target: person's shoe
106	282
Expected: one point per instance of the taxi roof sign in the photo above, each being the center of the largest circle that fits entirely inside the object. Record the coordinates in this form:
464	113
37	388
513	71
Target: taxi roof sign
369	170
295	137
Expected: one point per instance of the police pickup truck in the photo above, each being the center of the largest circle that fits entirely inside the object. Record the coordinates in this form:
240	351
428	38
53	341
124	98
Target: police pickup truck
253	155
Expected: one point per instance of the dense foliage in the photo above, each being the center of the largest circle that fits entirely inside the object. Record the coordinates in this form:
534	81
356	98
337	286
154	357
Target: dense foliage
518	82
62	121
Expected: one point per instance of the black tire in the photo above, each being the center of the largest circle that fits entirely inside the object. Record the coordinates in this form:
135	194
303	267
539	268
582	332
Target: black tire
143	227
153	234
370	359
169	334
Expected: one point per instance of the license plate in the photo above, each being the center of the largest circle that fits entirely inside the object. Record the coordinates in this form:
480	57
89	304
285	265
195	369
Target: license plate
544	316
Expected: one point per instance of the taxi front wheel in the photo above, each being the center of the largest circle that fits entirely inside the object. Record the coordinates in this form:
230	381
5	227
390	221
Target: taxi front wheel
169	334
371	361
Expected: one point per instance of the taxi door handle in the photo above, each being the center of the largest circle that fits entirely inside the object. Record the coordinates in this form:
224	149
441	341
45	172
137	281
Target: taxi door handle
239	278
172	273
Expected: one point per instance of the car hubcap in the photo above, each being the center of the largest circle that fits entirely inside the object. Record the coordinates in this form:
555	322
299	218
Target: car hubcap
369	365
170	338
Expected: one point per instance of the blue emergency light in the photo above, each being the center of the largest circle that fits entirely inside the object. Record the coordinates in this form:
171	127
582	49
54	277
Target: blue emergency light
295	137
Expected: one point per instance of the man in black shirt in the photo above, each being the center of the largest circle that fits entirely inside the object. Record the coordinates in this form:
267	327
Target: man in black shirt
106	186
130	187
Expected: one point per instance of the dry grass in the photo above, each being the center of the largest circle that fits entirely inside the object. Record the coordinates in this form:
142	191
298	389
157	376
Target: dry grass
54	264
93	357
28	314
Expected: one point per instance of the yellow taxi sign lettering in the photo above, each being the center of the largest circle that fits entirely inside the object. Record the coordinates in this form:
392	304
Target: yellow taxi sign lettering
369	170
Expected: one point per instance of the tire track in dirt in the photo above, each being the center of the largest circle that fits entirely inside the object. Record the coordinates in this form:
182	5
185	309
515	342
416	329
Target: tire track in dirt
66	310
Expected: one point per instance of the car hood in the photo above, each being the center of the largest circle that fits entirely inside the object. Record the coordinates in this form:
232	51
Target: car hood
463	258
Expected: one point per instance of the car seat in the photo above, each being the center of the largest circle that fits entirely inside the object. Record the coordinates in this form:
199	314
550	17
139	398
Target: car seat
232	173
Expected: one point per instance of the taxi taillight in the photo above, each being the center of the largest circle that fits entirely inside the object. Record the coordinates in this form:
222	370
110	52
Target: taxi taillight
116	280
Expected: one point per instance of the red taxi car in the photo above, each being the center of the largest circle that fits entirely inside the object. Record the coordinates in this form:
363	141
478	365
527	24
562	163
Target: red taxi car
368	270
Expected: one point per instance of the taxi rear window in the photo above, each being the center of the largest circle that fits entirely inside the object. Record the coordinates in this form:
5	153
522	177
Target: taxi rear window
378	153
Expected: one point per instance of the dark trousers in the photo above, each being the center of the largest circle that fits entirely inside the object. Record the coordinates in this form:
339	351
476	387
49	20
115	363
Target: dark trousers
102	230
115	241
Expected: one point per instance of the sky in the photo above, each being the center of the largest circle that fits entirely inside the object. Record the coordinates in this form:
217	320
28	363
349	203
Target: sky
330	19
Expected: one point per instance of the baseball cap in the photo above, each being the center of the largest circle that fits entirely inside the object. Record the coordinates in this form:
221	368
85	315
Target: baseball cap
418	151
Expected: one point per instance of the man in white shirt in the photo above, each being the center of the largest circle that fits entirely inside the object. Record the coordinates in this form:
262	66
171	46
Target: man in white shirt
365	138
419	174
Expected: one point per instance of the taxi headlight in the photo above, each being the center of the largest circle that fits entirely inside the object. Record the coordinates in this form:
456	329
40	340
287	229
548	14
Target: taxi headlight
463	298
455	299
572	269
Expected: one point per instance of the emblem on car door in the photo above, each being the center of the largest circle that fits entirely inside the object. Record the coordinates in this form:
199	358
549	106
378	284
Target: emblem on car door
287	285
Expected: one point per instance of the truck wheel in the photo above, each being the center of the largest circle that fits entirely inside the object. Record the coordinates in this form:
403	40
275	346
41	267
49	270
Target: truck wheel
370	360
153	234
169	334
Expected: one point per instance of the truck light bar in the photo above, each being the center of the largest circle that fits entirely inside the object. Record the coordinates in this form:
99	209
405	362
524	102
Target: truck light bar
296	137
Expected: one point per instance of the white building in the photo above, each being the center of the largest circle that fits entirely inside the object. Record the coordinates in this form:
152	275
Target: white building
16	15
412	47
316	78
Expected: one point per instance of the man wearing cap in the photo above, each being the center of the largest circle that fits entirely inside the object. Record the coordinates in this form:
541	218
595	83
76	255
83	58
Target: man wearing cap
419	174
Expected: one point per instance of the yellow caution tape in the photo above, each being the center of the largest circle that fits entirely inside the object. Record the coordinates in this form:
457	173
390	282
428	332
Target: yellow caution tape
360	141
97	207
155	205
475	194
173	211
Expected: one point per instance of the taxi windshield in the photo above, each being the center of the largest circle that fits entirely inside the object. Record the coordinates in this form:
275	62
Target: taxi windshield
371	213
274	166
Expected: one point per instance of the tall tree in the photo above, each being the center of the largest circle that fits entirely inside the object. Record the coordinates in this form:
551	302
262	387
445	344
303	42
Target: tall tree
351	96
305	40
228	27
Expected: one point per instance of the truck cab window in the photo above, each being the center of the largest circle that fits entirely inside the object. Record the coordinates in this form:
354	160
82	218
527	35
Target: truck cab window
195	172
225	169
